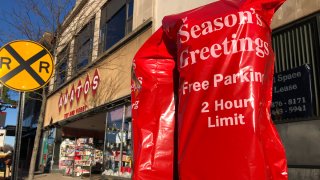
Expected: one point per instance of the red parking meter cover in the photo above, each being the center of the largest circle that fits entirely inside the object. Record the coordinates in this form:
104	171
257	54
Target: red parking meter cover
219	101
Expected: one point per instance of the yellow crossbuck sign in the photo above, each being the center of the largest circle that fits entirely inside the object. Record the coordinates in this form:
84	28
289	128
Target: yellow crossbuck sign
25	65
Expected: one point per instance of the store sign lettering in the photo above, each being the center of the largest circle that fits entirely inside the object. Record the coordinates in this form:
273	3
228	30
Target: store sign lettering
65	99
72	93
77	91
86	87
74	112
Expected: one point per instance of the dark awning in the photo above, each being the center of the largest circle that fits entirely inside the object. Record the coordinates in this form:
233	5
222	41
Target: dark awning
11	130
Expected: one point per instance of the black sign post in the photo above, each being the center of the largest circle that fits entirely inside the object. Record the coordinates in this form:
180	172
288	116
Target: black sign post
18	134
39	67
292	95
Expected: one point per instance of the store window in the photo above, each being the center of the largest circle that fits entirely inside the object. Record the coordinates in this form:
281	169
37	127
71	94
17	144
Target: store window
62	67
116	22
296	82
118	143
31	111
47	154
83	47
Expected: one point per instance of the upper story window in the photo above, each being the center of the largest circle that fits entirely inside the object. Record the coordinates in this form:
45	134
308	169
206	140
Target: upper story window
83	47
116	22
62	67
296	47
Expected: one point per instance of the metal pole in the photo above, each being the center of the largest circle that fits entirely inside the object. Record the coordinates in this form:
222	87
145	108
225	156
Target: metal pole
104	143
121	138
53	149
18	133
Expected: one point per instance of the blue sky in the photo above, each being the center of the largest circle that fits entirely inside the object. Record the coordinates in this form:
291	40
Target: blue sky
7	7
11	119
12	10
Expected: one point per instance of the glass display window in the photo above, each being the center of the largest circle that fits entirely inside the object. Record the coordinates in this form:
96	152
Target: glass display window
47	149
118	151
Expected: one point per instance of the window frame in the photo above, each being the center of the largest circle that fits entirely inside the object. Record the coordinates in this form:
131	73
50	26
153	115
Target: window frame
62	58
106	17
81	45
288	55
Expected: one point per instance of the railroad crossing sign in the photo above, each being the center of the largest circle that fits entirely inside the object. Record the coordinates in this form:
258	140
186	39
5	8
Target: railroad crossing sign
25	65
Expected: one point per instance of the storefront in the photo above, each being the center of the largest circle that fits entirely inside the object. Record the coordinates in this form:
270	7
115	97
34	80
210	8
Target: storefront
89	117
97	144
92	137
84	151
92	140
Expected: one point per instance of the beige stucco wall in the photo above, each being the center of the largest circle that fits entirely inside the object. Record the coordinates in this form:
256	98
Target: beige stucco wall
288	12
142	12
92	9
294	9
89	11
115	76
114	70
167	7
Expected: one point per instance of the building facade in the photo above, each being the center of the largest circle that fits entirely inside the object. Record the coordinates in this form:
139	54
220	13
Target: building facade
296	42
87	127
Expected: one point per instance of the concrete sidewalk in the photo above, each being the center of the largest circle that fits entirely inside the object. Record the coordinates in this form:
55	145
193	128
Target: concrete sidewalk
59	176
53	176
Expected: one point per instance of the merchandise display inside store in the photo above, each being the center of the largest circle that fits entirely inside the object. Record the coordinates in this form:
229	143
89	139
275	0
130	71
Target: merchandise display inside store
78	157
84	153
114	164
67	152
102	148
118	145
